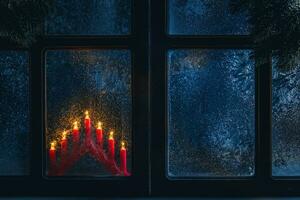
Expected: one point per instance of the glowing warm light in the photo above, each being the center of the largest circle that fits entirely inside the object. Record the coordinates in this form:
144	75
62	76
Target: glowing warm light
75	125
64	135
52	145
123	145
87	114
111	135
99	125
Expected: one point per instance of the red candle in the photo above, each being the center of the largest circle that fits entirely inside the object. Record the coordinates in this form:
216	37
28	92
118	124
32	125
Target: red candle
111	145
87	125
63	145
76	135
99	134
52	156
123	158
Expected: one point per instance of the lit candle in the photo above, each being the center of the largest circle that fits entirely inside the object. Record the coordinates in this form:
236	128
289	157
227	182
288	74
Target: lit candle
76	135
87	125
63	145
123	158
52	155
99	134
111	145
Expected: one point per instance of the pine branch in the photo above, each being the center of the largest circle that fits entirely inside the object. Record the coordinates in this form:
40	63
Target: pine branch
274	21
21	21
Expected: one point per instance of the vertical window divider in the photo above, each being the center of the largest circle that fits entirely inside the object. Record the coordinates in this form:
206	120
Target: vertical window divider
140	68
157	96
263	67
263	120
37	96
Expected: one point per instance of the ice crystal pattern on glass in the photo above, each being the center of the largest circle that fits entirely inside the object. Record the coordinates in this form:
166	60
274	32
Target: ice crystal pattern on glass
90	17
94	80
14	113
286	120
205	17
211	113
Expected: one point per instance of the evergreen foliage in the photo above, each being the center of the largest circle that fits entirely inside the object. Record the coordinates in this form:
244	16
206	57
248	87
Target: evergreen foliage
272	20
21	21
275	23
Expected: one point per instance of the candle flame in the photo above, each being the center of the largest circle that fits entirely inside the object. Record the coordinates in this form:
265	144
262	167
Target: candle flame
111	135
52	144
123	145
75	125
99	125
87	114
64	135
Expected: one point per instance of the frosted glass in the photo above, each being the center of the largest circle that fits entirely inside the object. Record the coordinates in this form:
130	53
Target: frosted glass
90	17
14	113
98	81
211	113
286	121
205	17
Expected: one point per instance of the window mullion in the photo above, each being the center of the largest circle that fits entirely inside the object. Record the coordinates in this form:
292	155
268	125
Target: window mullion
263	117
37	122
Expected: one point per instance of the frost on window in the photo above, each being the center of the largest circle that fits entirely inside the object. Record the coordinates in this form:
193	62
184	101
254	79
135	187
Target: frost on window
286	121
88	112
90	17
211	113
14	113
204	17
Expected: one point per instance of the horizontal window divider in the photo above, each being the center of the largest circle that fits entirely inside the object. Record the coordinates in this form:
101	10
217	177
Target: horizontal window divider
222	188
5	44
87	42
15	178
206	37
242	43
210	188
86	47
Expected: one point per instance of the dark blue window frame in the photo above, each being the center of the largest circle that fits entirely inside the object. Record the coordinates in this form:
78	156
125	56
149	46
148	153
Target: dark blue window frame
148	181
36	183
262	184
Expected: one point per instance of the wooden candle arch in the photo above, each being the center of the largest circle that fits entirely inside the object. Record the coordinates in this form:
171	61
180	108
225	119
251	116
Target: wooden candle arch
87	146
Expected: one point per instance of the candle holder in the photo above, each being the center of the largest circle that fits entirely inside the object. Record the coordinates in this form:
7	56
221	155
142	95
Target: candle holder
86	146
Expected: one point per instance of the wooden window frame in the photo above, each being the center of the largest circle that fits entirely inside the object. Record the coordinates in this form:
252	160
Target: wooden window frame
36	183
148	43
262	183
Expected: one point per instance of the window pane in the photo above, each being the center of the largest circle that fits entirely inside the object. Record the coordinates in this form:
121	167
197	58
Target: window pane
14	113
211	113
286	121
205	17
97	81
90	17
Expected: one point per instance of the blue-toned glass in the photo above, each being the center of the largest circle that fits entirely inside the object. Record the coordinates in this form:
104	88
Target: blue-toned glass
211	113
286	120
205	17
14	113
90	17
97	81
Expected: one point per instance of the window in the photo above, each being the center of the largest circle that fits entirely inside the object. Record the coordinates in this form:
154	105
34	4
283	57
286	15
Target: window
285	113
97	82
211	113
211	106
147	98
90	17
86	129
205	17
14	113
